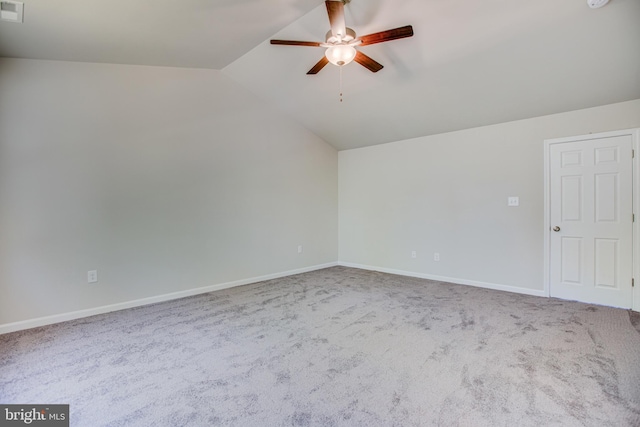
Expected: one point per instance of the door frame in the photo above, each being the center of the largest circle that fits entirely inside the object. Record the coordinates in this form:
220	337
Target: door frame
635	194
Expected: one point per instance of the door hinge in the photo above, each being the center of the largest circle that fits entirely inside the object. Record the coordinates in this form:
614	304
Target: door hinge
633	217
633	154
633	282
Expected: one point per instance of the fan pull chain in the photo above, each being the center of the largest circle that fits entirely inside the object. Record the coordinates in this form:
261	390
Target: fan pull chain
340	84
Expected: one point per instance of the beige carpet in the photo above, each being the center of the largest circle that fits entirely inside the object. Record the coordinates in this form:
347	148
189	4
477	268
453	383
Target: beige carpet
340	347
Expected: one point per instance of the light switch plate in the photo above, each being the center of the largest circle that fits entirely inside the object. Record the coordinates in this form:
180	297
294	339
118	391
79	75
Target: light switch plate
92	276
513	201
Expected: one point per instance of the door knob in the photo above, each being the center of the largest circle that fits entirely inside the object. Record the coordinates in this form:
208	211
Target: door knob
556	228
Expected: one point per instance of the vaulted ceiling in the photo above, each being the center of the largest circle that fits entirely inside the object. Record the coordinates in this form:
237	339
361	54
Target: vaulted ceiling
470	63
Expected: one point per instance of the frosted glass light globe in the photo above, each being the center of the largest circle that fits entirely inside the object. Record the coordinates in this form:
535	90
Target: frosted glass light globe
340	54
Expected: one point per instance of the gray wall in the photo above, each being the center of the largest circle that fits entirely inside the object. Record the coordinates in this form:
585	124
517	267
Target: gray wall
162	179
448	194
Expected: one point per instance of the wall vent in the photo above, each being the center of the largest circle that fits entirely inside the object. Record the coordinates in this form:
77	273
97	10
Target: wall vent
11	11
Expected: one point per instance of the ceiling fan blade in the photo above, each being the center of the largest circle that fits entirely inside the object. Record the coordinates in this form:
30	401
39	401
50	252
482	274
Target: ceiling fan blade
295	43
385	36
367	62
335	9
319	66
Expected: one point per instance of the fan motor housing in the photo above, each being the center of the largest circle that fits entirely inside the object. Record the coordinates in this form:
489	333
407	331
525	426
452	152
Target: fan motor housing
351	35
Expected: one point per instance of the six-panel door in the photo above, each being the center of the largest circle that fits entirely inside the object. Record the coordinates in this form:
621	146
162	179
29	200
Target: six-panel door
591	221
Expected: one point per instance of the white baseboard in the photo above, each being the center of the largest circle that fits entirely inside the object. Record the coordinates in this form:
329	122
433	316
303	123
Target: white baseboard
63	317
495	286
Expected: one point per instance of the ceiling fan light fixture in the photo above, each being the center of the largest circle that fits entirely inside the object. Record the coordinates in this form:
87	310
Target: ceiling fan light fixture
340	41
341	54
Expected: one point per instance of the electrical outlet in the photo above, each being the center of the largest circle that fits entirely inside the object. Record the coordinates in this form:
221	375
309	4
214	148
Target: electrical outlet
413	254
436	256
299	249
513	201
92	276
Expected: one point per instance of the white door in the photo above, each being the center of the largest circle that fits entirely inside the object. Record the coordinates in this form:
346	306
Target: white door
591	221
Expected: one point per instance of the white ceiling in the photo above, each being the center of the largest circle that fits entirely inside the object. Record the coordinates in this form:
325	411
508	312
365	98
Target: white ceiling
470	63
178	33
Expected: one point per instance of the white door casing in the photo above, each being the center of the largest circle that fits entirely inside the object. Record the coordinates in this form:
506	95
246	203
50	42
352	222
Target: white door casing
588	219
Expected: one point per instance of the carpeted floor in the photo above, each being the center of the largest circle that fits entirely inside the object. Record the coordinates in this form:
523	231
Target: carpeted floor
341	347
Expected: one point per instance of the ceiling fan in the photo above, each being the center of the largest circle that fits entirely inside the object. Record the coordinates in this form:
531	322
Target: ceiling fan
341	41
